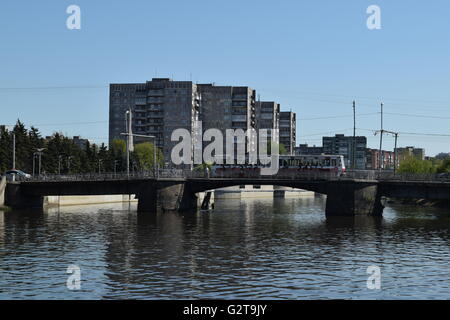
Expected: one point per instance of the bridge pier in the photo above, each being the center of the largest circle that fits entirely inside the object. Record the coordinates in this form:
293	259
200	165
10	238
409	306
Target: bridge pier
167	196
345	198
16	199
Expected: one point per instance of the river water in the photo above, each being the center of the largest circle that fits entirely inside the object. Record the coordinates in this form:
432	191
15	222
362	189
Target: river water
248	249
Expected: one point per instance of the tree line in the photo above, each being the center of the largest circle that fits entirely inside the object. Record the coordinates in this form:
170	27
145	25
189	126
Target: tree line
61	155
414	165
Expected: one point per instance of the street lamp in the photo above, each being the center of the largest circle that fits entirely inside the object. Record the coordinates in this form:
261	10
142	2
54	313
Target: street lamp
115	166
130	135
100	161
38	153
68	163
59	164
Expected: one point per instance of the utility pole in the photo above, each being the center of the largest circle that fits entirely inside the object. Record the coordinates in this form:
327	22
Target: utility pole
354	136
381	140
395	134
395	153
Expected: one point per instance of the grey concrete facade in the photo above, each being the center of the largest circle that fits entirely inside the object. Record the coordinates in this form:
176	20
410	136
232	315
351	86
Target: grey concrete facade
288	124
159	107
268	117
343	145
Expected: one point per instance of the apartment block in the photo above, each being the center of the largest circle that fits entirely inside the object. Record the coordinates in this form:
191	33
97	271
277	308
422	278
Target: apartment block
373	159
228	107
288	130
158	107
268	117
343	145
304	149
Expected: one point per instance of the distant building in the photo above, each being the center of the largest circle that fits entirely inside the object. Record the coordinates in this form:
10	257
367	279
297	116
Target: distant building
408	152
304	149
81	143
288	133
373	159
343	145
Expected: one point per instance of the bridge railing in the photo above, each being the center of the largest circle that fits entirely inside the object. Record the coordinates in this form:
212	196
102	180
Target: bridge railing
92	176
371	175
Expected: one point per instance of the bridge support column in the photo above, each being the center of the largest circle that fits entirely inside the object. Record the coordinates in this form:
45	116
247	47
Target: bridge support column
167	196
147	197
176	197
16	199
347	198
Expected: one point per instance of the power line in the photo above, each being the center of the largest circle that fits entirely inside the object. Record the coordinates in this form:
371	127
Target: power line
56	87
61	124
329	132
413	133
416	115
338	116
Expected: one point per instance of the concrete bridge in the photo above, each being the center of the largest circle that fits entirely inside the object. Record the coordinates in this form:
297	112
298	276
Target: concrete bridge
354	194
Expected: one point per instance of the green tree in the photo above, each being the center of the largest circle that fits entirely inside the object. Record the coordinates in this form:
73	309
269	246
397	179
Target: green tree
414	165
444	166
143	153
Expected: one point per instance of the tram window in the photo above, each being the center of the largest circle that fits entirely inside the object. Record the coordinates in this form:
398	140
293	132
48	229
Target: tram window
256	186
242	186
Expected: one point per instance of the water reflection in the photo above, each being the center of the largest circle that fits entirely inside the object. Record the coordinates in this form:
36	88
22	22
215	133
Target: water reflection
266	248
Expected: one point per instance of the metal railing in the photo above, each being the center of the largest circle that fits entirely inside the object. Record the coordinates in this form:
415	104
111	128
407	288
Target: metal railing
369	175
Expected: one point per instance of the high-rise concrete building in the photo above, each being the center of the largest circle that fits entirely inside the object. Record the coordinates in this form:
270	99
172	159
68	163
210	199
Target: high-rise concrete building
158	107
288	130
228	107
343	145
304	149
268	117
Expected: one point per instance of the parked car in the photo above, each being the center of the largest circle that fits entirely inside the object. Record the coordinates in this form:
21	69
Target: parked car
18	174
445	175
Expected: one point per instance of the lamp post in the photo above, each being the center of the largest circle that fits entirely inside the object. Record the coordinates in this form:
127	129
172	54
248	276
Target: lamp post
100	161
14	156
59	164
40	152
68	164
34	158
115	166
129	134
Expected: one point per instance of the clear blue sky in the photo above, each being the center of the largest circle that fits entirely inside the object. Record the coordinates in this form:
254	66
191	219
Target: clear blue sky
313	57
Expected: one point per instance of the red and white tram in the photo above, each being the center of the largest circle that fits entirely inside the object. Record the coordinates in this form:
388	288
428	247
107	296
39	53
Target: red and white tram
288	166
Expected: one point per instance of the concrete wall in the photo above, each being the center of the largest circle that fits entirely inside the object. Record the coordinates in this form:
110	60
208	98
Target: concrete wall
82	200
2	191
